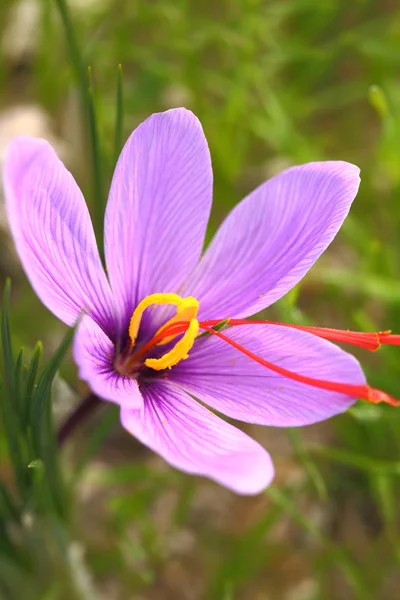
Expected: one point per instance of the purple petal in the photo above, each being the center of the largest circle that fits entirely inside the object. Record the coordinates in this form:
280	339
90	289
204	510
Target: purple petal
233	384
158	207
53	233
193	439
94	355
272	238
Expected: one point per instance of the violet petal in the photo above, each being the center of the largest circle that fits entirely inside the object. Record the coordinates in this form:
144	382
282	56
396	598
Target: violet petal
193	439
271	239
53	233
158	208
224	378
94	354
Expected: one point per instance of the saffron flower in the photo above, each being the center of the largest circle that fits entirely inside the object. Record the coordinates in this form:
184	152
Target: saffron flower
150	338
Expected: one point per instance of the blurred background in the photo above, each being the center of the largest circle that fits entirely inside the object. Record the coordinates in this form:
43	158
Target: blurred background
274	83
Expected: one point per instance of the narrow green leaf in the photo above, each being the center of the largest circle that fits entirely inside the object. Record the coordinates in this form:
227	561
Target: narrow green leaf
44	439
10	397
75	53
18	381
378	100
98	187
42	392
216	327
41	498
30	379
89	116
119	114
8	361
13	437
37	464
293	295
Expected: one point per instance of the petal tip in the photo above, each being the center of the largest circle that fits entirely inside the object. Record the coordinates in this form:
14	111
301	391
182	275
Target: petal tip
20	153
21	143
253	476
178	117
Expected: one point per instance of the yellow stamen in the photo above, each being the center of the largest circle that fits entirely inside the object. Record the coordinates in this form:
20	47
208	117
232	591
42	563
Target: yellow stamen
178	352
182	305
186	310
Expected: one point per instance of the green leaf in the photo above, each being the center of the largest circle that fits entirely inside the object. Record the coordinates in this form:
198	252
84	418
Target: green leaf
378	100
97	166
89	117
37	464
8	404
216	327
41	396
119	114
18	380
8	361
75	53
44	439
13	437
30	379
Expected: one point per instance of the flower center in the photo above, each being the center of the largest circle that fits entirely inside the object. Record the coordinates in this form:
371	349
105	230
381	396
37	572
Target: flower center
186	313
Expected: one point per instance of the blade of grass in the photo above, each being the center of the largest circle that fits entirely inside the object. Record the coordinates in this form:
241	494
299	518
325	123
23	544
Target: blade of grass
43	434
42	392
8	361
98	189
13	437
12	425
30	379
216	327
18	381
119	114
89	116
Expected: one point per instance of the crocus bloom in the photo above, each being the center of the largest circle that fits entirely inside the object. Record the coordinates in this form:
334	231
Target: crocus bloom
147	340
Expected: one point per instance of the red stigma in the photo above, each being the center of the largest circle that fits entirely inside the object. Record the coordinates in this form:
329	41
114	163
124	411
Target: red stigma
368	341
365	392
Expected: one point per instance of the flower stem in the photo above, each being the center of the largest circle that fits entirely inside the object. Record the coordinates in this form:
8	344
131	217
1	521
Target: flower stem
85	408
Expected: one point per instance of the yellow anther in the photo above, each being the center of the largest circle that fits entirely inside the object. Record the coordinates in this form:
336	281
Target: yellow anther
188	303
186	311
186	307
179	351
